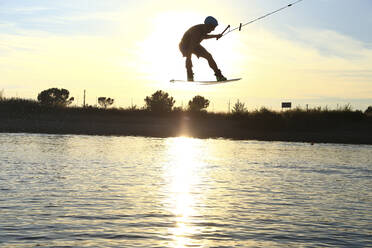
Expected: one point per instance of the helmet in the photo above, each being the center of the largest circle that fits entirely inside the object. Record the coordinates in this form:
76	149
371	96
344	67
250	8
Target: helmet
211	20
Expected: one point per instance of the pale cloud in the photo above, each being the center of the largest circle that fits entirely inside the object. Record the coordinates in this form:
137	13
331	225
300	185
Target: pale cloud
6	24
25	10
30	9
96	16
332	43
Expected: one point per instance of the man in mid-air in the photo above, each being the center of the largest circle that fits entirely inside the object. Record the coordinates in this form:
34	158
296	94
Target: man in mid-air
190	44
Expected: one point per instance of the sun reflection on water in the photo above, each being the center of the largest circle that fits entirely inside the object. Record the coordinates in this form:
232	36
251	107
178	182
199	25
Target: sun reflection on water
185	162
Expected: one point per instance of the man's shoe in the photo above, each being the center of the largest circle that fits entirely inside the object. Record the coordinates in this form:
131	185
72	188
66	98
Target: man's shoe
190	77
219	76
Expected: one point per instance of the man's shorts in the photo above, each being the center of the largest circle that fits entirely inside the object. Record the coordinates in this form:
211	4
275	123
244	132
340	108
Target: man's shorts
198	50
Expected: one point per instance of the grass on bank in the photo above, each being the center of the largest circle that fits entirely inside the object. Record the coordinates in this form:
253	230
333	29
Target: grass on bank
262	119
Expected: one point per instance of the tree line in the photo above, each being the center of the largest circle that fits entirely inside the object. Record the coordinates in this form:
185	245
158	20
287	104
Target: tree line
160	102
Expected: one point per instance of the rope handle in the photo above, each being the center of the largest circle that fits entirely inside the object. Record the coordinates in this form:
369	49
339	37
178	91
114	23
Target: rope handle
224	31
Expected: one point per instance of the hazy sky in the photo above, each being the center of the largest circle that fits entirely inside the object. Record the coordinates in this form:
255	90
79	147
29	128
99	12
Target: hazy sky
318	52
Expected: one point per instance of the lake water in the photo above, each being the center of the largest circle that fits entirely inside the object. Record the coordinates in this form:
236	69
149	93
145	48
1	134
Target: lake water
93	191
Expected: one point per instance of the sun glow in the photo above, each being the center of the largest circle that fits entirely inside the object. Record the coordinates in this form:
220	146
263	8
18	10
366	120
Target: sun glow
183	173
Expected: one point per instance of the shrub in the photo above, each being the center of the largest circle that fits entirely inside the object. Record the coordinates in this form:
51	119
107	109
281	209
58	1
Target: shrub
160	101
105	101
198	103
2	95
239	108
368	111
55	97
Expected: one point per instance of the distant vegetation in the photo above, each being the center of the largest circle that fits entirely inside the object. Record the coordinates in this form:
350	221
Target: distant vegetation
55	97
159	117
369	111
159	102
198	103
105	101
239	108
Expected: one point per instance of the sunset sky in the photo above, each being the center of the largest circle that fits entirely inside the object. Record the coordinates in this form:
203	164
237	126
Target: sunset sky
318	52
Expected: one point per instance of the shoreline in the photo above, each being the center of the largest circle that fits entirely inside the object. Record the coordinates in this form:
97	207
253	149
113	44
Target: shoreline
163	127
341	126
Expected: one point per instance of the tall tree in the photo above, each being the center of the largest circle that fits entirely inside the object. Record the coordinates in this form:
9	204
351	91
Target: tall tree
198	103
368	110
105	101
160	101
239	108
55	97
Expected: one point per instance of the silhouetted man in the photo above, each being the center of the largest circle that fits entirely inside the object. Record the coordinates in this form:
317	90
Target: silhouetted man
190	44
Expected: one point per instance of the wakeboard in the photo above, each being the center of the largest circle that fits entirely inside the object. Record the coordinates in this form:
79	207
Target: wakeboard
205	82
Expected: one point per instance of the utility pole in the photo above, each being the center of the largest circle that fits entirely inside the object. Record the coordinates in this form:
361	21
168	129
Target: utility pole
84	100
228	107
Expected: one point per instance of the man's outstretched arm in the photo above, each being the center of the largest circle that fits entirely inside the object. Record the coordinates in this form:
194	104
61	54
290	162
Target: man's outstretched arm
211	36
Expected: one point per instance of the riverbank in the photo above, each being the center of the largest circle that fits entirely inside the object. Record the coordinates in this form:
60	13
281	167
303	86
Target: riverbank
164	128
314	126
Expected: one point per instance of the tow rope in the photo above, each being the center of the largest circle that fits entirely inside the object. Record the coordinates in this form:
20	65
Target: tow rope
254	20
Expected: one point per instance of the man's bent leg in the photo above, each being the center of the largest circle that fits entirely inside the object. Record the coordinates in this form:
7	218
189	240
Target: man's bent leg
190	74
202	52
211	62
